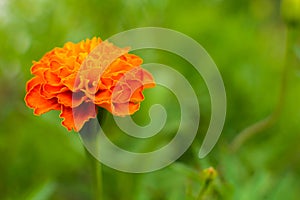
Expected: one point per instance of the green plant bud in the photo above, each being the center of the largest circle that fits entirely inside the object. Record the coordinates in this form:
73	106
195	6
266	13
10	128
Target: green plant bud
290	11
210	174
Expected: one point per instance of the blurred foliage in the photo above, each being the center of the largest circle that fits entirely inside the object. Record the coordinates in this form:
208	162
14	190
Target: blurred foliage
246	39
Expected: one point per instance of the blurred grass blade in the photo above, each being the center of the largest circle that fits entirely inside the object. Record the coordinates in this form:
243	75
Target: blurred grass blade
43	191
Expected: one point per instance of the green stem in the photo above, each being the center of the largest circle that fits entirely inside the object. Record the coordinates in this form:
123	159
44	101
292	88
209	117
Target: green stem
99	187
90	130
267	122
96	176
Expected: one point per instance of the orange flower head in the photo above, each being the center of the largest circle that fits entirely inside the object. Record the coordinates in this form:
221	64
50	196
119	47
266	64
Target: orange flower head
79	78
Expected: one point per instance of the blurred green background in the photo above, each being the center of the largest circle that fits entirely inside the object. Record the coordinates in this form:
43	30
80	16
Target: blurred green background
40	159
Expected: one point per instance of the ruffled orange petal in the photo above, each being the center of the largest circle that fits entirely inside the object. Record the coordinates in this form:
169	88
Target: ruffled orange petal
119	66
121	94
38	68
123	109
49	91
71	99
51	78
134	60
146	78
130	86
33	82
137	95
67	115
40	105
75	118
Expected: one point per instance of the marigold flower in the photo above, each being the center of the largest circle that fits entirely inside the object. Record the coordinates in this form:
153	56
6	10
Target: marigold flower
79	78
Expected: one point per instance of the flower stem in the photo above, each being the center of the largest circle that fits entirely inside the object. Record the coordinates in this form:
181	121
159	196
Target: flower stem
96	168
90	132
267	122
98	176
